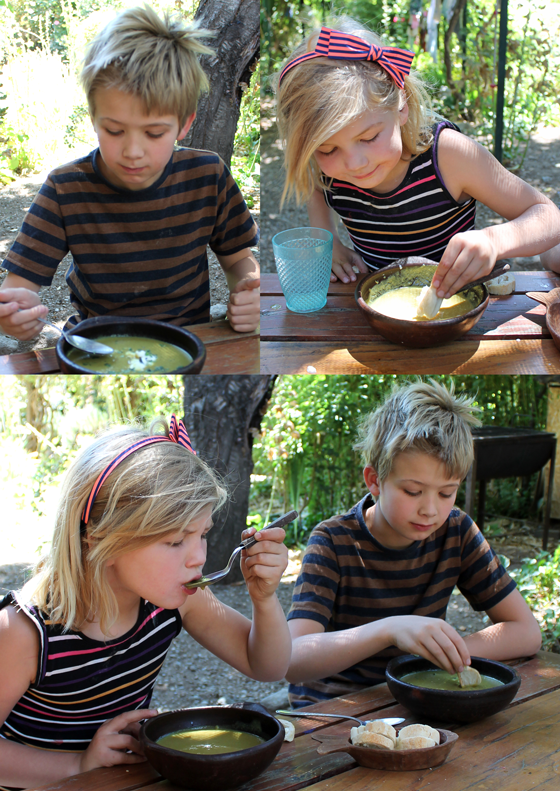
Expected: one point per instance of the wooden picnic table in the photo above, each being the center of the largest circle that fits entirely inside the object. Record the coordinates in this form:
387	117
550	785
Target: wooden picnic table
227	352
514	750
510	338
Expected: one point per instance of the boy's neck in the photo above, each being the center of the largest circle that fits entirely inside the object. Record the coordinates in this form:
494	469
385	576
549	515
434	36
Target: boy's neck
382	531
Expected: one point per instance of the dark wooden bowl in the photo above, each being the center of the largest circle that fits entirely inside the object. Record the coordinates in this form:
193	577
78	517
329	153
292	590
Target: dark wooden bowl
213	772
553	322
441	705
392	760
111	325
415	334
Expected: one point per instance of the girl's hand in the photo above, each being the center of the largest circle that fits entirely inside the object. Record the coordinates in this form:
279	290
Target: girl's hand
468	256
19	310
432	639
264	563
114	738
343	261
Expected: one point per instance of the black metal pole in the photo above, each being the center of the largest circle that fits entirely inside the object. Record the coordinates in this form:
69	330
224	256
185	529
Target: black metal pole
502	54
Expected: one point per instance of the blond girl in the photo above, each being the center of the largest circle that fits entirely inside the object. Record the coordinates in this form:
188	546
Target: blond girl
82	643
362	142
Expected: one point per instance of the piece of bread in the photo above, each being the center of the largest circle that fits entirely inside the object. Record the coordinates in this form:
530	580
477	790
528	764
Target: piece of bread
428	303
375	740
410	731
289	730
414	743
469	677
377	726
503	284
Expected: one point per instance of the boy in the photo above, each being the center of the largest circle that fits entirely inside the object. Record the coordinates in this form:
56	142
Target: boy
137	213
376	582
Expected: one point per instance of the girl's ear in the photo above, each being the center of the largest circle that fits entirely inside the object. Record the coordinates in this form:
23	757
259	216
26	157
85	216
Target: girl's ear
403	114
371	479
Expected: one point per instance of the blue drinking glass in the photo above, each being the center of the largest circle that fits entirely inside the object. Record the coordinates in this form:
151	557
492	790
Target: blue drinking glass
304	261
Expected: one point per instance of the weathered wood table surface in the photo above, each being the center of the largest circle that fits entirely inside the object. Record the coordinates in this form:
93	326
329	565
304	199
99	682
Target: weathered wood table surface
510	338
515	750
227	352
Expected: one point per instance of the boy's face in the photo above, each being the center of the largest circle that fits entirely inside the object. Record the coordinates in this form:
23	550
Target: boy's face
134	147
412	502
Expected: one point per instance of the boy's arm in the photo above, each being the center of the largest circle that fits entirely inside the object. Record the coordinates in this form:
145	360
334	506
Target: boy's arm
322	216
514	631
19	307
243	278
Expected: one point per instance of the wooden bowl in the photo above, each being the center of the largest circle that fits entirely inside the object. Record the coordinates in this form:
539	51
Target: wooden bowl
441	705
111	325
392	760
213	772
553	322
415	334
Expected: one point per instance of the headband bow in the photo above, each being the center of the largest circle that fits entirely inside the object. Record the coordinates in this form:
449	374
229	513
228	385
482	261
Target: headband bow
344	46
177	434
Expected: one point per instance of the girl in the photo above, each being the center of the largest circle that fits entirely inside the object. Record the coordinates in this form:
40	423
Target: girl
361	140
82	643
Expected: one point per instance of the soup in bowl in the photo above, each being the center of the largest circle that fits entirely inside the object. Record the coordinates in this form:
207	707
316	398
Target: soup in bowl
226	746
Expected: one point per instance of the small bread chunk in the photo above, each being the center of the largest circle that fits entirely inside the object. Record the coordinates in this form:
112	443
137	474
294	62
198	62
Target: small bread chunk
428	303
376	740
503	284
414	743
377	726
410	731
469	677
289	730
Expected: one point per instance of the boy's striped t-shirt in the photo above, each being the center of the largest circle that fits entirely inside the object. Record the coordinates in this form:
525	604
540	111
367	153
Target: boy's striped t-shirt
82	682
349	579
135	252
417	218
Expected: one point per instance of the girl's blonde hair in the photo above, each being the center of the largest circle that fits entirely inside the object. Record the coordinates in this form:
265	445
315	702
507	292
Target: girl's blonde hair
157	491
421	416
149	57
320	96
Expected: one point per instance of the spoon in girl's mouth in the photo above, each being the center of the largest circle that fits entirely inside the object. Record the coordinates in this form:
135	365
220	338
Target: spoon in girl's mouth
209	579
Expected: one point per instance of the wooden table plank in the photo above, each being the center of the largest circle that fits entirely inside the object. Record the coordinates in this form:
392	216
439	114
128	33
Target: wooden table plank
515	750
379	357
227	352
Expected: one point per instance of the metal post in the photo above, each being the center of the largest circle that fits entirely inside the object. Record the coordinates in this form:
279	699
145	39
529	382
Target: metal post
502	53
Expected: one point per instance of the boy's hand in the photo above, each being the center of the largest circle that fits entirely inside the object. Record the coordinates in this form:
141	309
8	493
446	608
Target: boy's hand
343	261
114	738
19	309
431	638
264	563
467	257
244	305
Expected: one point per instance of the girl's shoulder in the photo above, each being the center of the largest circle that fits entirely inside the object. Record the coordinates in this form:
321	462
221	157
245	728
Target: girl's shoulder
19	638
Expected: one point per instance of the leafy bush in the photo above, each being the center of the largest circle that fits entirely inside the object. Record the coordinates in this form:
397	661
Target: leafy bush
539	582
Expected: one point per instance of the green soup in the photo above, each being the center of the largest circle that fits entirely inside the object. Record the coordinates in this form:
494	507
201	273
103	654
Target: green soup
208	741
133	354
440	679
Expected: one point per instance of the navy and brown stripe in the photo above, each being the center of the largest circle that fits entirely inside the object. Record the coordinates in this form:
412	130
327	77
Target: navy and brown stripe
82	682
349	579
135	253
418	217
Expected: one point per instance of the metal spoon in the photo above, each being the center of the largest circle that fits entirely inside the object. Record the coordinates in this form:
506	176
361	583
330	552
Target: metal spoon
85	344
387	720
209	579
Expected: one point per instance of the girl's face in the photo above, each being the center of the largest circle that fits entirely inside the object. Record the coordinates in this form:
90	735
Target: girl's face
159	571
367	152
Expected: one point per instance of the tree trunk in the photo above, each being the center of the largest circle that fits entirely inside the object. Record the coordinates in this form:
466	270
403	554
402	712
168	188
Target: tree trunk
223	414
455	92
236	43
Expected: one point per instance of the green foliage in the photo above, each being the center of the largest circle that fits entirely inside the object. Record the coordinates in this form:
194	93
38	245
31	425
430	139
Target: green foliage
305	457
245	162
539	582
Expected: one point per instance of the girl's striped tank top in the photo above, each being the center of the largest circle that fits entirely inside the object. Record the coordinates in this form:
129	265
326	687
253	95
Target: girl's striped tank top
82	682
418	218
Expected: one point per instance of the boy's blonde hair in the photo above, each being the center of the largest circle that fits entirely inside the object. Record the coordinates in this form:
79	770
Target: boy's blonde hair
320	96
152	58
157	491
425	417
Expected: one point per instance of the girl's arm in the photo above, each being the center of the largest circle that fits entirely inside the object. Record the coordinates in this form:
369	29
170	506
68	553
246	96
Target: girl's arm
469	170
259	648
322	216
514	631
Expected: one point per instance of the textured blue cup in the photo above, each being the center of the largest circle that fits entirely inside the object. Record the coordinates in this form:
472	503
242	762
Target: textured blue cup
304	260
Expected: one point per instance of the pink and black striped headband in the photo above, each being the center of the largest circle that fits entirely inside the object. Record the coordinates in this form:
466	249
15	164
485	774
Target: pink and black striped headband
344	46
177	434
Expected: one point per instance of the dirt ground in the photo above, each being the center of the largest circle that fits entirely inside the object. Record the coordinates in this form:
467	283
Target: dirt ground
191	676
541	169
15	199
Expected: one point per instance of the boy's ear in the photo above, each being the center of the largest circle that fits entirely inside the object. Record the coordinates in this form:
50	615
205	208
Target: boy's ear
188	123
371	479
